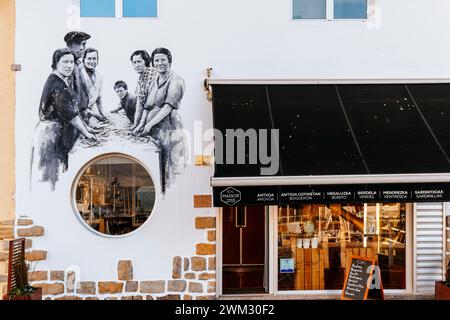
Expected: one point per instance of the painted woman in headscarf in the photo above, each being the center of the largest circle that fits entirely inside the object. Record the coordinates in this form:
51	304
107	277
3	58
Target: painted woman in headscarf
141	61
163	123
60	122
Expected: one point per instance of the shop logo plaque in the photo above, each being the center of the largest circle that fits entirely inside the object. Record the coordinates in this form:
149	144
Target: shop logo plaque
230	196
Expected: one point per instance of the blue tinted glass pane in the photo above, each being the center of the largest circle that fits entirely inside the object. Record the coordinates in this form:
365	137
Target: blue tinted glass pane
309	9
350	9
140	8
98	8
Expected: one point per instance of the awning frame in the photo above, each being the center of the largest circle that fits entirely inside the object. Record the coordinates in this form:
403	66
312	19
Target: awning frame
330	180
329	81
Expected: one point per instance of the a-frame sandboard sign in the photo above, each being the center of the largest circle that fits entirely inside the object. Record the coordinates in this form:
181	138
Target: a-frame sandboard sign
363	280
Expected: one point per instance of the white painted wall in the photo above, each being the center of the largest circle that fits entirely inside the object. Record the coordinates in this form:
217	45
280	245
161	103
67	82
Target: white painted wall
240	40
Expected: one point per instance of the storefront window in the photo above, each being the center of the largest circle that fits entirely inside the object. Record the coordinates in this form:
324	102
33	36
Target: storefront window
115	195
316	242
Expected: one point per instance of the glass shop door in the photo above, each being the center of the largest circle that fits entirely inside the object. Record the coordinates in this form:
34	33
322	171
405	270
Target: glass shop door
245	250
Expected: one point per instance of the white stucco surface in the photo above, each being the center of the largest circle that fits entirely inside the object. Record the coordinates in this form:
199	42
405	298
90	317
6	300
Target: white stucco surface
240	40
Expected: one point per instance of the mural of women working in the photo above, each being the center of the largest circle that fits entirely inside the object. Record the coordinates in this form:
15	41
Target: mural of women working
160	119
75	87
60	122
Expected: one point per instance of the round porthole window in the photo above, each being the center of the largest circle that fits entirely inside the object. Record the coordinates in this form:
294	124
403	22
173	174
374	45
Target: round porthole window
114	195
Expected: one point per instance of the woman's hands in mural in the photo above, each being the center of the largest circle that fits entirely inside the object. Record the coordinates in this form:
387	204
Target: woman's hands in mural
90	137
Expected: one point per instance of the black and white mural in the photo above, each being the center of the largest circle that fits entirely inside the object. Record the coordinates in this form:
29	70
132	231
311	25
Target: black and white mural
72	115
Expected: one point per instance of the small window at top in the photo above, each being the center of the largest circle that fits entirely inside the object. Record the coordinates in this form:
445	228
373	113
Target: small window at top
98	8
140	8
350	9
329	9
309	9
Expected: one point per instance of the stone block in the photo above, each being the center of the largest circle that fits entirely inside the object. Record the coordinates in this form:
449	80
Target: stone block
57	275
91	298
205	298
86	287
176	268
149	297
110	287
212	235
195	287
206	276
37	276
176	285
170	297
153	286
70	282
28	244
205	249
50	288
190	276
205	222
30	232
131	286
24	222
198	264
187	297
36	255
69	298
211	287
186	264
132	298
212	263
202	201
125	270
110	298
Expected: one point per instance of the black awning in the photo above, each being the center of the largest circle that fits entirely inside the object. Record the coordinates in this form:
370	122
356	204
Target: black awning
337	129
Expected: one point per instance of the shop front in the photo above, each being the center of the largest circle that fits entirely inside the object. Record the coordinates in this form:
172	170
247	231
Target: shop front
359	168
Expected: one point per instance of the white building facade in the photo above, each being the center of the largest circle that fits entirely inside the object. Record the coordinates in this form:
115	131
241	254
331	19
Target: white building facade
178	251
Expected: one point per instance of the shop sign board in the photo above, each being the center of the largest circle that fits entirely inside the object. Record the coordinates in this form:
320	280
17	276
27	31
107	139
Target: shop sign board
283	195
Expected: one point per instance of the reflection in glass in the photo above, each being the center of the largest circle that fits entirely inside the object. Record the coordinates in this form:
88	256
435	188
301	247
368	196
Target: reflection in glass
115	195
322	238
350	9
139	8
309	9
97	8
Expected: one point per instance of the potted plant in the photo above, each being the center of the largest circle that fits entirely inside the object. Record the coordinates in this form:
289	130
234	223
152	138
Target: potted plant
442	288
22	289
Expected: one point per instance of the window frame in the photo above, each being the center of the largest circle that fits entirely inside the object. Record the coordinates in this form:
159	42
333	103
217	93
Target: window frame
118	11
82	170
329	13
81	16
409	257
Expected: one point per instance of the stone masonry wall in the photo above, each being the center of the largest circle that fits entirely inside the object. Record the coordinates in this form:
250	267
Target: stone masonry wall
193	278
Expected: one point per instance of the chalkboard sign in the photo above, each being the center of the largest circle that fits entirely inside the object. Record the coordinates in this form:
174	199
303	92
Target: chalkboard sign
363	280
